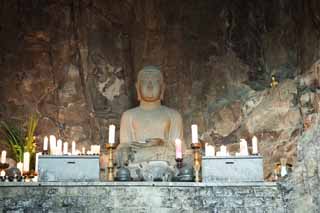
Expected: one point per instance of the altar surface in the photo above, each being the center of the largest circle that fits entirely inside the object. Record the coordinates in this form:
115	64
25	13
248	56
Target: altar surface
140	197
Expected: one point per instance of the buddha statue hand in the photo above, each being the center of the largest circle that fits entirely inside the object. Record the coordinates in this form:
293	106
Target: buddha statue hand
148	143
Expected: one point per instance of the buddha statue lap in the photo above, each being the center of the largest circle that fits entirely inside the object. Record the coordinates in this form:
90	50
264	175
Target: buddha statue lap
148	132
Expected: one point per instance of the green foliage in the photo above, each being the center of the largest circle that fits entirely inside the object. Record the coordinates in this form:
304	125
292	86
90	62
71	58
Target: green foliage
18	140
13	137
29	144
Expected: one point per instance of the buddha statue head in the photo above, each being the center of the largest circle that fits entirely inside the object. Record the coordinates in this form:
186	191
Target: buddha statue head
150	85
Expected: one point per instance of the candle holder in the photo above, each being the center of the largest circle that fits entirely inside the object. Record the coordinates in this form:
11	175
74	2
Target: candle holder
3	178
11	178
4	166
45	152
179	162
27	176
110	148
196	160
17	178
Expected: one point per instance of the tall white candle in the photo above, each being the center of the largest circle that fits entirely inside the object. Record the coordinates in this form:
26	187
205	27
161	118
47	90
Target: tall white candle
178	143
73	148
37	162
45	143
20	166
98	149
53	144
3	156
112	131
254	145
194	133
243	147
209	150
59	147
65	148
83	150
26	161
95	149
223	150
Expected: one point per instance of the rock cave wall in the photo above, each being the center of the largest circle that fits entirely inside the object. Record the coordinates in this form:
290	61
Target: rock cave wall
74	63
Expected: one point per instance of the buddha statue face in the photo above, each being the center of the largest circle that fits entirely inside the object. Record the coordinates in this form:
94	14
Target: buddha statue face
150	85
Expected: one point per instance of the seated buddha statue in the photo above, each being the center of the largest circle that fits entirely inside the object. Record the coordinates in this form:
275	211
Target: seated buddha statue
148	132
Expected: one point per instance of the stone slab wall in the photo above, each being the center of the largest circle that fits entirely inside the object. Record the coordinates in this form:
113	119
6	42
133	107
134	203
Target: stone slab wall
139	197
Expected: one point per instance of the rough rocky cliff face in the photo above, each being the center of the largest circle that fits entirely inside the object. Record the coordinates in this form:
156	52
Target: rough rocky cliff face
74	63
301	188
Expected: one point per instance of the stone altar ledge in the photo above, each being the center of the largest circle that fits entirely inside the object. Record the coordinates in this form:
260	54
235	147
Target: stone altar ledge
142	197
138	183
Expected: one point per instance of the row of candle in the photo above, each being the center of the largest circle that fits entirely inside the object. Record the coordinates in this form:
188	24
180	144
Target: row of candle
57	147
210	150
23	167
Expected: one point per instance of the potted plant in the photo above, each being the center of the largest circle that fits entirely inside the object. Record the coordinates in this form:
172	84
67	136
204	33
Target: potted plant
13	137
20	140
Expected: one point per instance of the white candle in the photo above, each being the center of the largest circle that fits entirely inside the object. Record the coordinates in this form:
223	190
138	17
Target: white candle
37	162
194	133
83	150
95	149
112	131
223	150
65	148
98	149
209	150
59	147
254	145
45	143
73	148
283	171
53	144
2	173
20	166
243	147
3	156
178	143
26	161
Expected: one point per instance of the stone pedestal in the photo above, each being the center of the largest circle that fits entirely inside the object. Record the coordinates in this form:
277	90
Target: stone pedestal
226	169
68	168
143	197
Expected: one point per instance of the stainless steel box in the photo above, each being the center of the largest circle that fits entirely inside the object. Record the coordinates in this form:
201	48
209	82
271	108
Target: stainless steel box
232	169
68	168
